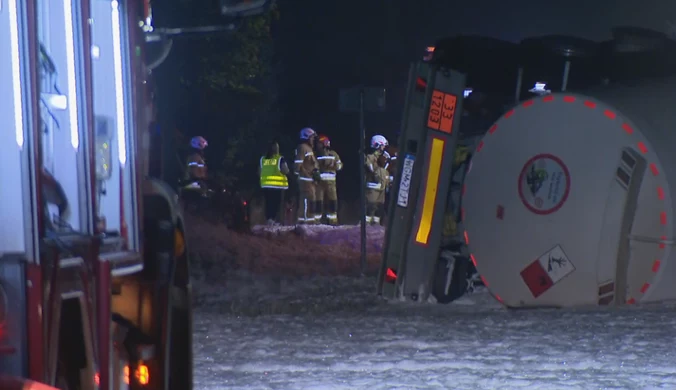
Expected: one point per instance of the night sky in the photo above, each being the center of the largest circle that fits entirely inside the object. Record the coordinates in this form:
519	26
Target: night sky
518	19
387	34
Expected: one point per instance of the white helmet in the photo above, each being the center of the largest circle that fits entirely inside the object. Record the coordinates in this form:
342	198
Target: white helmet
306	133
199	142
378	141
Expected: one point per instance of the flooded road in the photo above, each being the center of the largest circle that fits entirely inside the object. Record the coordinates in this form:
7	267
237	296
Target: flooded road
471	344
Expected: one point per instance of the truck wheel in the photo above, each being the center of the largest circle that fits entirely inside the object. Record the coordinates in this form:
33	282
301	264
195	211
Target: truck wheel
453	271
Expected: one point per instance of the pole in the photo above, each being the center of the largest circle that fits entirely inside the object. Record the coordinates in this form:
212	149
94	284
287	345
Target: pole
362	176
519	82
566	72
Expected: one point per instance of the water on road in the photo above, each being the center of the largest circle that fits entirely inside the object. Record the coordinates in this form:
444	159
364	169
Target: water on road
344	341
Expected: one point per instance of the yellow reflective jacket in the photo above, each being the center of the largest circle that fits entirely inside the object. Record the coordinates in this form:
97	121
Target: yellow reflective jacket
271	173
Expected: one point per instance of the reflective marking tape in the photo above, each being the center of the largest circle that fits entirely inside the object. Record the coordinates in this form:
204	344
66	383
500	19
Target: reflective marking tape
431	187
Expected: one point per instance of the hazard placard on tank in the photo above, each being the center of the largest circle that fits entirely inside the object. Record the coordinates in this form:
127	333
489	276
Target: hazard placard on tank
544	184
549	269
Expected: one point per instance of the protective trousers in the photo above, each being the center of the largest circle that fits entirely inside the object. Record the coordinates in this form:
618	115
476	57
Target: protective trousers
307	198
374	209
195	198
327	201
381	207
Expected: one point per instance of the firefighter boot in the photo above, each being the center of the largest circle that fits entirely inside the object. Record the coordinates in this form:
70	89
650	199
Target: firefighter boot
332	212
370	213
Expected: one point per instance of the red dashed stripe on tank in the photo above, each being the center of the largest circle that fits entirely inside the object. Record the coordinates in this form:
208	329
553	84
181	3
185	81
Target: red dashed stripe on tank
640	145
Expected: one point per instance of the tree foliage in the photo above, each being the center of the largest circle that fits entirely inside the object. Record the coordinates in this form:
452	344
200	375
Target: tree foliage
229	92
237	62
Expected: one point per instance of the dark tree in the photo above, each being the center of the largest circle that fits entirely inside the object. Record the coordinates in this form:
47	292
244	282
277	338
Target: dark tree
221	86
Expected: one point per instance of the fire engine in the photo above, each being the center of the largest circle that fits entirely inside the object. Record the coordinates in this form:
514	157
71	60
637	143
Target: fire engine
93	268
94	277
567	198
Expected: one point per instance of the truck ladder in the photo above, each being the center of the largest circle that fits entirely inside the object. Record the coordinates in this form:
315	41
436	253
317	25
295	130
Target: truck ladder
107	258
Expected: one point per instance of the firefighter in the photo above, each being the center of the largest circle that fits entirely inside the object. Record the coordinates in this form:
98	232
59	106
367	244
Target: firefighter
272	171
373	178
385	180
327	196
307	171
196	172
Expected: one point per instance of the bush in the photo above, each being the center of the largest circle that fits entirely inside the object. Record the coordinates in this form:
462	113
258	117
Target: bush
290	252
283	270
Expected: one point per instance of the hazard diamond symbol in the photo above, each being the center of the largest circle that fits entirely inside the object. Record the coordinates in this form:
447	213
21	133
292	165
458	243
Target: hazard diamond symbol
536	278
550	268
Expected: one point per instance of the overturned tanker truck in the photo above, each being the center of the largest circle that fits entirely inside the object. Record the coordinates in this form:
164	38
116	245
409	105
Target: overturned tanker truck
566	200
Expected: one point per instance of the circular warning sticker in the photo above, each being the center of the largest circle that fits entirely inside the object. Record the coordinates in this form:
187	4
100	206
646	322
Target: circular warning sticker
544	184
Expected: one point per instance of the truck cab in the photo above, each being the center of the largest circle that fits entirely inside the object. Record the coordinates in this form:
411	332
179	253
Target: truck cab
426	255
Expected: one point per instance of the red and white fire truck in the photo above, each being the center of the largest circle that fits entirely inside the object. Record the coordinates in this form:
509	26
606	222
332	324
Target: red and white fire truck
94	277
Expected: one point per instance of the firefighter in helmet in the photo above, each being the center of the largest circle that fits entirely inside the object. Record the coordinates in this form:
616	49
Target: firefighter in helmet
196	172
374	185
307	171
327	196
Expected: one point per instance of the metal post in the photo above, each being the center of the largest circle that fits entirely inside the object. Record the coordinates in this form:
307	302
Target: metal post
566	71
103	302
362	175
519	82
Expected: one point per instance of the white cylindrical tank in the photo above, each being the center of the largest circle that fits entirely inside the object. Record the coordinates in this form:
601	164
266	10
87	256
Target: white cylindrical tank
568	201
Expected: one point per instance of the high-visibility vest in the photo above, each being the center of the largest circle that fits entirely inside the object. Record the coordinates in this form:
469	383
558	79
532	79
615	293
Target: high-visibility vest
271	173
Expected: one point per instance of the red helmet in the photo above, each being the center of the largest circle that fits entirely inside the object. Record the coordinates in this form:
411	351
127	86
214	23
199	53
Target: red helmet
324	140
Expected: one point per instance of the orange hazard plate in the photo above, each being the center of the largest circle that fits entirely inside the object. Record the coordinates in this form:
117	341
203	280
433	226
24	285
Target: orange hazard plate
442	111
